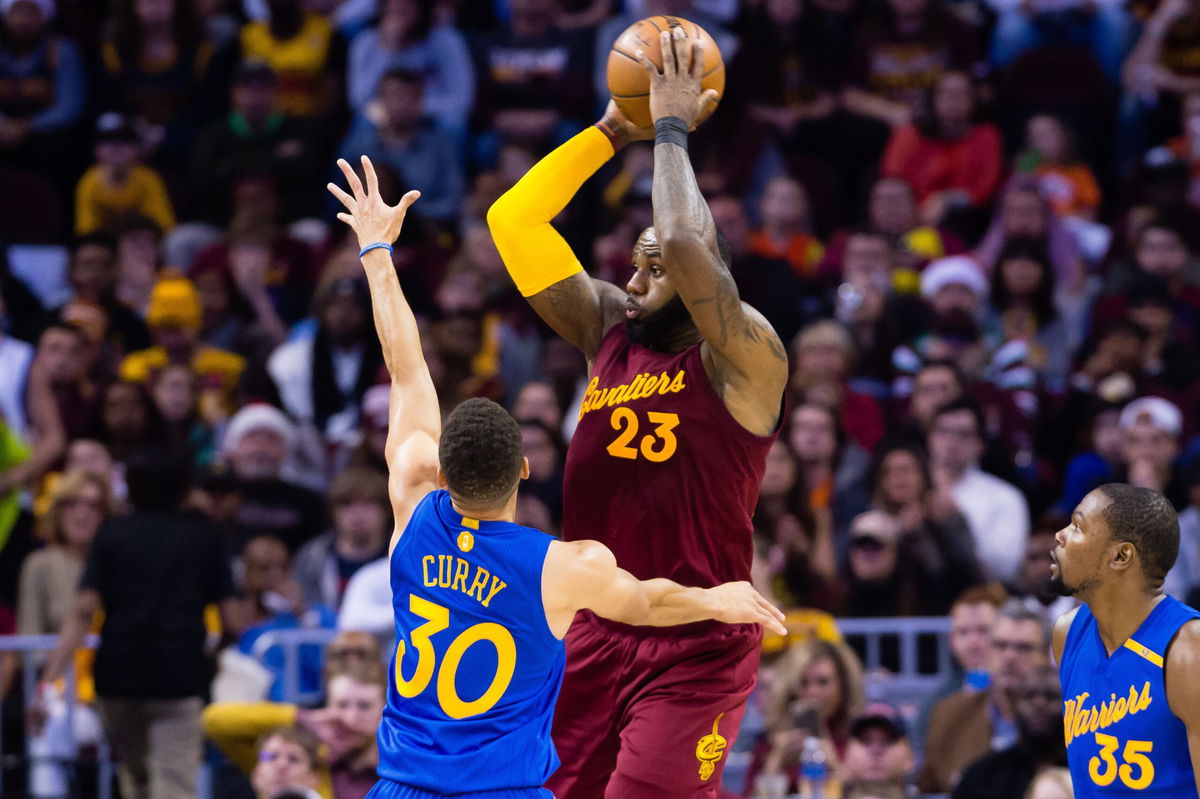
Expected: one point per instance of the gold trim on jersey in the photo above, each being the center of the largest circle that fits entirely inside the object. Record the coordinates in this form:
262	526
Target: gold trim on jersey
1143	651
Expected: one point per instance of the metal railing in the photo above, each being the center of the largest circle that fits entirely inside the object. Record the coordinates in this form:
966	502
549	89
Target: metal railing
289	642
27	647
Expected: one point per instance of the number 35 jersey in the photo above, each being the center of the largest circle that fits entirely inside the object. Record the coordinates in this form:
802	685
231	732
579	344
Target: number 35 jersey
1122	738
476	670
659	470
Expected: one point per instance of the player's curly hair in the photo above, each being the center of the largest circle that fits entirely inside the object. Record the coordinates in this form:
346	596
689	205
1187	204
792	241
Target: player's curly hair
480	452
1145	519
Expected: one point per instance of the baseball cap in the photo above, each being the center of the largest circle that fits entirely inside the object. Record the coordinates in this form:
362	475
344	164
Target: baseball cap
112	126
875	526
960	270
1162	413
174	301
882	716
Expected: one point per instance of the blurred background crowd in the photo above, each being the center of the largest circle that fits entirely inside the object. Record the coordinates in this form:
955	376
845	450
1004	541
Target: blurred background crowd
972	221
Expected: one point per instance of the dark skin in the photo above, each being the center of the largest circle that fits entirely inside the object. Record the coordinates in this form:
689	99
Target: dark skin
743	357
1109	575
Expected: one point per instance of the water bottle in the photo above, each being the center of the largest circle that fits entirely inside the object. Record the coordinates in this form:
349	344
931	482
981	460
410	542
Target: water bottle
814	769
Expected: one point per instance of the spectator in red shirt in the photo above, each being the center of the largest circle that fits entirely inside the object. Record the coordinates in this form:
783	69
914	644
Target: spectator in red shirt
950	158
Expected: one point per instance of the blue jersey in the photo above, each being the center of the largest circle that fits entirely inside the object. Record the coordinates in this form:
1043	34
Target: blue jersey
476	670
1122	738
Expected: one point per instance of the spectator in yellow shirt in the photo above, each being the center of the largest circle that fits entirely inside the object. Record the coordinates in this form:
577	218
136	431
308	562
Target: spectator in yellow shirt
174	318
118	185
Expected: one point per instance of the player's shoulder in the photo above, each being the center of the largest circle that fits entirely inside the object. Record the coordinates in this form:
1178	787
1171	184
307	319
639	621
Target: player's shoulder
1062	626
1181	666
580	558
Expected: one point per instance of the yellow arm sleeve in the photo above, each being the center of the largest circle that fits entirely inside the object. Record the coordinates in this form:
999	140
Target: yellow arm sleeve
235	727
535	255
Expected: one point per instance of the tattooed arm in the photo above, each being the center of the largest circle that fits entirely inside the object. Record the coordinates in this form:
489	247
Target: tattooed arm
746	355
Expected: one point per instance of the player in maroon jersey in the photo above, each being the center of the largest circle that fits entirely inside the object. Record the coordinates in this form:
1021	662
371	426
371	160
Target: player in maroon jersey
684	399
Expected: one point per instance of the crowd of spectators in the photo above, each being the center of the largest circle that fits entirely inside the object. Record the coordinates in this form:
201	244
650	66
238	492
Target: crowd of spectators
973	222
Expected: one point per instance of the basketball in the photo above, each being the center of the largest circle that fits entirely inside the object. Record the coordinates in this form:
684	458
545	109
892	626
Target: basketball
628	82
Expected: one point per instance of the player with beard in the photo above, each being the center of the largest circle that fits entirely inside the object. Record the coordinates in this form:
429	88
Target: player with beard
684	401
1129	657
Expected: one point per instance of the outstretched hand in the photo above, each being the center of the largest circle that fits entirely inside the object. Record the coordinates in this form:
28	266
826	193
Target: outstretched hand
676	92
739	603
372	219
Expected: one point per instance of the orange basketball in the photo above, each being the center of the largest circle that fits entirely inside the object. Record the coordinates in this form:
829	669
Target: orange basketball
628	82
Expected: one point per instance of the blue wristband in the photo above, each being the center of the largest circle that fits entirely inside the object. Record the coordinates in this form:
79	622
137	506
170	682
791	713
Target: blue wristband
379	245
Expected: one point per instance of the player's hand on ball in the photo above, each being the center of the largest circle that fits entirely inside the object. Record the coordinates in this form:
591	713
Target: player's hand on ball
676	92
366	212
739	603
625	130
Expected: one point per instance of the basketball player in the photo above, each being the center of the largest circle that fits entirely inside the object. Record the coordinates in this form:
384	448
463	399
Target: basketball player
481	603
686	385
1129	657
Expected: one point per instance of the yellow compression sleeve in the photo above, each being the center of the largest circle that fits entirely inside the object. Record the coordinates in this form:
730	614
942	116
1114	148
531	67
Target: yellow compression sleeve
535	255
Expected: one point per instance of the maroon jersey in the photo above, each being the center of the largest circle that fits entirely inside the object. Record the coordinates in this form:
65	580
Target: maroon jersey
659	471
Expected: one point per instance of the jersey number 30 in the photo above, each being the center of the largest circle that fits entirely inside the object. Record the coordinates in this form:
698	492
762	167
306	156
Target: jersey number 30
451	703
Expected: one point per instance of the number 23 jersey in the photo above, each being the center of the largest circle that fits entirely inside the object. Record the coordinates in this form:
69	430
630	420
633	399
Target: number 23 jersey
1122	738
476	670
658	469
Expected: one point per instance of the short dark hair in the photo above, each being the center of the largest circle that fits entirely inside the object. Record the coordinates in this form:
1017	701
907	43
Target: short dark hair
98	238
959	405
1145	519
480	452
948	364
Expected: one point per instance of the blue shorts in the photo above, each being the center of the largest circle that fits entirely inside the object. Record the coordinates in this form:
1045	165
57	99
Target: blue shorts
387	789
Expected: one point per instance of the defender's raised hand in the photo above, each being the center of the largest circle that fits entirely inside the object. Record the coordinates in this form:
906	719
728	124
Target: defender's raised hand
676	92
366	213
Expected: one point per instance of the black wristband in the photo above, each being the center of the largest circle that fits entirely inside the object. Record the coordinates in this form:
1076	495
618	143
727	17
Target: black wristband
671	130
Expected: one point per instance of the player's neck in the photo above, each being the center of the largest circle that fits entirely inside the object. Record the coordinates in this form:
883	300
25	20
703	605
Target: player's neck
504	513
1120	611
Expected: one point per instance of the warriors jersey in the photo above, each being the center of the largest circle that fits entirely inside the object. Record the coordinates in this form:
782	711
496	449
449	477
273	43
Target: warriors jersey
477	670
1122	738
659	470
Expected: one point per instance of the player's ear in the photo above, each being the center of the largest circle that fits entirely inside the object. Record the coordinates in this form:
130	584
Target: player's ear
1124	556
441	478
524	468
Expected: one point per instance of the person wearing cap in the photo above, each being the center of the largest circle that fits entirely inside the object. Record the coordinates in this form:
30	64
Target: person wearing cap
119	185
1151	428
174	317
1037	702
260	441
1184	578
42	85
321	380
255	138
879	756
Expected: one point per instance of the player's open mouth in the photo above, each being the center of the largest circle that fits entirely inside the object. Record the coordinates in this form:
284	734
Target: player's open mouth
631	312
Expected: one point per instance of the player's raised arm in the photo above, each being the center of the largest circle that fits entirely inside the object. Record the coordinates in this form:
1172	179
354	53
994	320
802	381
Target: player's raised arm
584	575
540	261
686	233
414	418
1183	690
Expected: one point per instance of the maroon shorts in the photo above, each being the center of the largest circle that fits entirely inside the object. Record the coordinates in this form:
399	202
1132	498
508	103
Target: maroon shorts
649	712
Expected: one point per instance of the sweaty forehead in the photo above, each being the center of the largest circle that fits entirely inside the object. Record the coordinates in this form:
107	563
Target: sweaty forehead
648	240
1091	509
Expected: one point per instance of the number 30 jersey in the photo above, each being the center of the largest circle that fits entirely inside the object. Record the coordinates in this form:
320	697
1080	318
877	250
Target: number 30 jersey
476	670
1122	738
659	471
